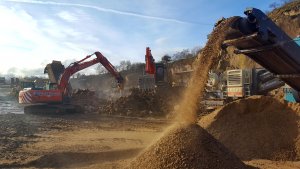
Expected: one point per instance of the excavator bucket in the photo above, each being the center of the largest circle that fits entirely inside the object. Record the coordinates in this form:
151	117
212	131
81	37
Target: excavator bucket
54	71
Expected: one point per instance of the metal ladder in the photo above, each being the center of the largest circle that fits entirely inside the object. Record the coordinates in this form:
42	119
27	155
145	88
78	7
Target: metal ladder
247	90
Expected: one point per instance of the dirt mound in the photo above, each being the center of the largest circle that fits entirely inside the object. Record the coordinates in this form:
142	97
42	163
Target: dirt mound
256	127
140	103
88	100
187	146
137	103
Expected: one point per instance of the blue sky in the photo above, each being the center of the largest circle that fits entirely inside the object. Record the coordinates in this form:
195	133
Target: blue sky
35	32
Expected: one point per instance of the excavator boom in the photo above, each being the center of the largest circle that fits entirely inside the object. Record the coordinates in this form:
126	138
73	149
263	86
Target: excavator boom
80	65
150	65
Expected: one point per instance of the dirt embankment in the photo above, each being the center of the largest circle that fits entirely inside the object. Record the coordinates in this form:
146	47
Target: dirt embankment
287	17
258	127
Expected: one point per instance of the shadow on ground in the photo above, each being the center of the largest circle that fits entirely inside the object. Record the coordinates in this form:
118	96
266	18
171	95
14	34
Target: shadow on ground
74	159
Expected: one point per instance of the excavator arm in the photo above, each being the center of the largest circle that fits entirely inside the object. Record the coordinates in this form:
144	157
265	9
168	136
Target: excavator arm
150	65
82	64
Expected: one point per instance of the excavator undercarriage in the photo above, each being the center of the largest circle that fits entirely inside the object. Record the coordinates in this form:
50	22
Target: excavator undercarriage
52	109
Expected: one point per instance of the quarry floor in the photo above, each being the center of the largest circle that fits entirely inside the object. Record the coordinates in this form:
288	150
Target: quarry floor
84	141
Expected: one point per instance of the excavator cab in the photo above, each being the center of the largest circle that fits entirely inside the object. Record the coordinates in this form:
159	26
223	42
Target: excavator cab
51	86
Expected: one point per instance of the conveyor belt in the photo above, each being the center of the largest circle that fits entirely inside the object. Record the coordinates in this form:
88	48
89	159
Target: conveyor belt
264	42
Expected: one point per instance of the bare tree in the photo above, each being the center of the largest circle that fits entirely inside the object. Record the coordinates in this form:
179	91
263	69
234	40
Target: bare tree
274	5
185	53
101	69
124	65
196	50
286	1
166	58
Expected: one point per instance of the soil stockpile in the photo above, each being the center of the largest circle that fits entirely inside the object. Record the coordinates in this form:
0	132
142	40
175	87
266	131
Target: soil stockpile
256	127
187	146
139	102
143	103
87	100
206	60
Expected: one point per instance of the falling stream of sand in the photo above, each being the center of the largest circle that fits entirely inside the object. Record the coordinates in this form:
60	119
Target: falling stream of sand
207	59
172	149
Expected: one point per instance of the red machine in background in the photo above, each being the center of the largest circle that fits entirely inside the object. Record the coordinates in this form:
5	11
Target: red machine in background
56	96
150	65
154	73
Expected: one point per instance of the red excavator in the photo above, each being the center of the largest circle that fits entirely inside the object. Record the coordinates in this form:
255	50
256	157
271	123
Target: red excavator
150	64
55	96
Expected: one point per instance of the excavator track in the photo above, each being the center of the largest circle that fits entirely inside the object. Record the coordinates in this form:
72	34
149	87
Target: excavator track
43	109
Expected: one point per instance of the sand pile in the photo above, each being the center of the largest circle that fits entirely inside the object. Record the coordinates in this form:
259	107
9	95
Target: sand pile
187	146
257	127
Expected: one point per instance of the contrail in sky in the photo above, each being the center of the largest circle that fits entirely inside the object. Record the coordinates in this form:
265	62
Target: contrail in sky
108	10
